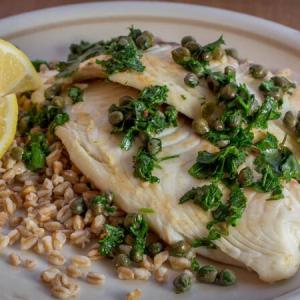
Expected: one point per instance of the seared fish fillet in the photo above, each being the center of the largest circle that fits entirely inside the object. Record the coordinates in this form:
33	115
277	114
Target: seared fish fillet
265	240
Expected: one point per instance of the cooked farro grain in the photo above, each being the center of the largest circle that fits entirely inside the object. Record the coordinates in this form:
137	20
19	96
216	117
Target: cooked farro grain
9	206
14	221
39	247
125	273
80	188
57	167
88	218
70	176
49	274
9	175
81	261
14	235
80	237
3	218
97	224
68	194
28	189
147	263
64	214
160	258
52	157
95	278
63	287
73	271
14	259
77	222
179	263
59	239
60	188
56	179
134	295
141	273
28	242
161	274
48	184
94	254
56	258
48	243
30	264
52	226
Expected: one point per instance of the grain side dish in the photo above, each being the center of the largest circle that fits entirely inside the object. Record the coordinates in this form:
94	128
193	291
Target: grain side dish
148	153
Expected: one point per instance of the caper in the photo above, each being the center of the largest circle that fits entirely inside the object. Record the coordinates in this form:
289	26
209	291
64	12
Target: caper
122	260
192	46
182	283
223	143
78	206
155	248
228	92
280	81
276	94
181	55
24	124
17	153
206	56
213	84
145	40
245	177
225	278
52	91
154	146
115	117
289	120
229	71
124	100
232	52
257	71
180	248
123	41
136	255
187	39
191	80
59	101
129	219
219	125
200	126
218	53
207	274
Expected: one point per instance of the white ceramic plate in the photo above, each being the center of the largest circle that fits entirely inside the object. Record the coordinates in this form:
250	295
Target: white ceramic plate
48	33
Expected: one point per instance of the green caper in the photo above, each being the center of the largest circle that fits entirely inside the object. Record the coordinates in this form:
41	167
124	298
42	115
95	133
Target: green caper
182	283
207	274
218	53
155	248
24	124
180	248
228	92
154	146
245	177
124	100
181	55
59	101
52	91
192	46
226	277
218	125
136	255
206	56
115	117
200	126
78	206
212	83
289	120
276	94
229	71
187	39
17	153
122	260
123	41
280	81
129	219
232	52
191	80
145	40
223	143
257	71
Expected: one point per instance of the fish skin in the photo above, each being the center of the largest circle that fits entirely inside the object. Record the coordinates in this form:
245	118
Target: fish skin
266	238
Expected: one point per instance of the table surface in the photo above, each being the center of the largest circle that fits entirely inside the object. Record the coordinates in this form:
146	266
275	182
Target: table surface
286	12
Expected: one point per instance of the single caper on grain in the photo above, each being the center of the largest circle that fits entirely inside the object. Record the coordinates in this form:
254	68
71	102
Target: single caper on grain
226	278
155	248
78	206
218	125
232	52
115	117
245	177
191	80
122	260
280	81
180	248
182	283
289	120
206	56
223	143
192	46
154	146
207	274
212	83
52	91
200	126
257	71
228	92
186	39
23	124
181	55
218	53
229	71
145	40
136	255
17	153
124	100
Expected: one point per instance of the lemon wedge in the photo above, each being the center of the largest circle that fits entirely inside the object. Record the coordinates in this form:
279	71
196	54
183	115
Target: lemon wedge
8	121
17	73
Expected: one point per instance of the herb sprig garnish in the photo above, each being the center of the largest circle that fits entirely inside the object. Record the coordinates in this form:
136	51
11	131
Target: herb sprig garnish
144	117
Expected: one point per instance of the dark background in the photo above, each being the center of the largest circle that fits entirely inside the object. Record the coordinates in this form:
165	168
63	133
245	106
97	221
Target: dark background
286	12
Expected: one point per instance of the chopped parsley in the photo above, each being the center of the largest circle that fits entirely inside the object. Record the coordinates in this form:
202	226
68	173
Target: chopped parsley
76	94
